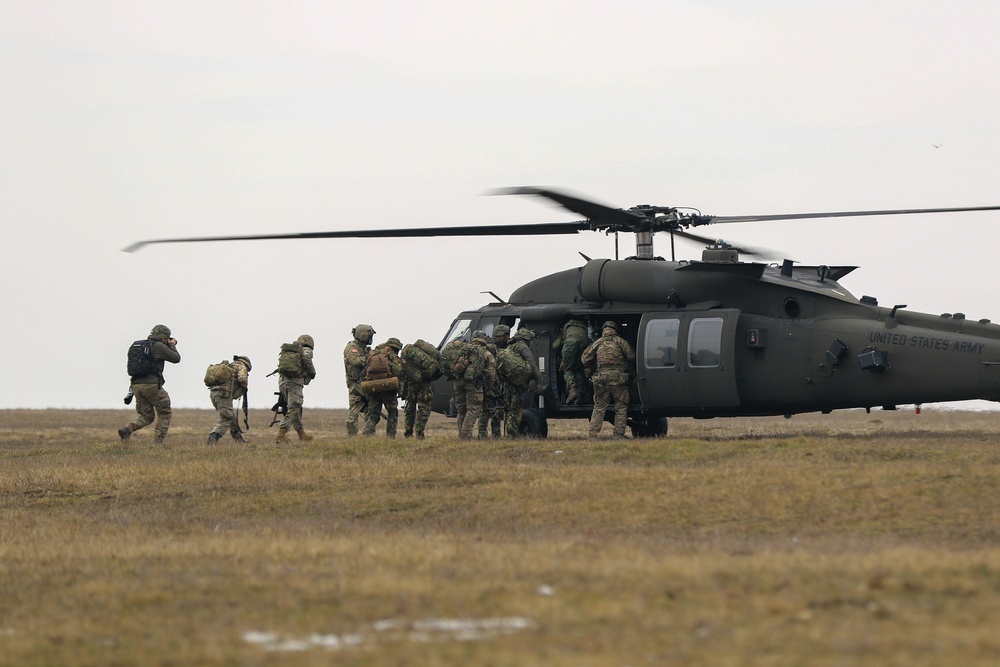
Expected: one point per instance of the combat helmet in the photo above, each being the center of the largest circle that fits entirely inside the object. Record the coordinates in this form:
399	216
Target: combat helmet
526	335
363	331
394	344
501	330
479	336
160	331
306	340
243	360
611	325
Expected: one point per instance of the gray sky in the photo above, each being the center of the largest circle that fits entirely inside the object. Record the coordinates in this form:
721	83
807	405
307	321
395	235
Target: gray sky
124	121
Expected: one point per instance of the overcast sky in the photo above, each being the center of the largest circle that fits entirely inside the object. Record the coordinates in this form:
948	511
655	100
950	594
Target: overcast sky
123	121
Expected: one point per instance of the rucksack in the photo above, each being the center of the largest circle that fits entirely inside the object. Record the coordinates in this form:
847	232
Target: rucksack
140	359
378	365
290	360
410	372
453	361
512	368
218	374
422	359
475	361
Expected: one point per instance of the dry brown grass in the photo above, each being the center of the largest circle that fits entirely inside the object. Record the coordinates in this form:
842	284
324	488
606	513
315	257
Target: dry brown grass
848	539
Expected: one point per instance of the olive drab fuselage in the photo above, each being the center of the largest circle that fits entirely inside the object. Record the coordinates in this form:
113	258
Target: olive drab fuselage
729	338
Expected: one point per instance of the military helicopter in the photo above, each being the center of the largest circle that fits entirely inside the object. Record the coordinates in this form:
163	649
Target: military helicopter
719	337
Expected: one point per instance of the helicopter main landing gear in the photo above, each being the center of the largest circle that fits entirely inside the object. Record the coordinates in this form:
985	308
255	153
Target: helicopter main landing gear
648	427
533	424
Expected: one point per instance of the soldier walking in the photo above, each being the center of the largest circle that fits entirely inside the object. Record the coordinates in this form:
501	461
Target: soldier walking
147	385
383	364
417	392
609	359
355	359
292	377
224	393
571	343
513	395
492	415
479	370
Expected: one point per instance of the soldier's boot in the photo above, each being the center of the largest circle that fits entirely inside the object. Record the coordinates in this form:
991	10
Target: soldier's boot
238	436
303	435
408	433
572	397
213	438
159	440
352	429
420	435
280	437
124	433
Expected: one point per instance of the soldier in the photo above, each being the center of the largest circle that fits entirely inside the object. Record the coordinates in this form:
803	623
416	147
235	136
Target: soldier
513	395
418	395
492	415
291	382
417	392
609	359
571	343
479	369
355	359
223	396
150	396
383	364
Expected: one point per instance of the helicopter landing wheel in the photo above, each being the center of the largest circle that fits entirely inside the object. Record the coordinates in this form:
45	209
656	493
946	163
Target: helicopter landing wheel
533	425
649	427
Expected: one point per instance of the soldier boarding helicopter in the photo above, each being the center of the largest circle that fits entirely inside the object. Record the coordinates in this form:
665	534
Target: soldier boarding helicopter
719	337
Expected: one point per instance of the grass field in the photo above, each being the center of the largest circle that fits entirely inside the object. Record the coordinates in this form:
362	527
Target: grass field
846	539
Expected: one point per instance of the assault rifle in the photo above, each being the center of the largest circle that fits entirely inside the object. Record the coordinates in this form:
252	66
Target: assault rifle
246	411
279	408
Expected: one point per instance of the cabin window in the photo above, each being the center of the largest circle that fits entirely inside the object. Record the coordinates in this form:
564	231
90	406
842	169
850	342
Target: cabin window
460	329
661	343
705	342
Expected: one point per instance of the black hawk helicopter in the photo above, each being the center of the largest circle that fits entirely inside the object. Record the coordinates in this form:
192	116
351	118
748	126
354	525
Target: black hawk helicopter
718	337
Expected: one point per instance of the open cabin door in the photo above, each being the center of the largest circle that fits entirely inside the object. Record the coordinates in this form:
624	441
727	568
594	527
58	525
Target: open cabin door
686	360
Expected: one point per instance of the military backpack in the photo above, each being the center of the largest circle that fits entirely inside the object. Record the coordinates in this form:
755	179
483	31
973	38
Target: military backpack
512	367
140	359
290	360
453	362
378	367
421	362
475	361
379	376
218	374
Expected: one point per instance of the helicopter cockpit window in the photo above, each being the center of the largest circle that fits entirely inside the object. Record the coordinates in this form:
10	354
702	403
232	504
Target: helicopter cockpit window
460	329
705	342
661	343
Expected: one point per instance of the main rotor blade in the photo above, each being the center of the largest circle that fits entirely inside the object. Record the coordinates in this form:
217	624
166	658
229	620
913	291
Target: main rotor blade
589	209
415	232
710	219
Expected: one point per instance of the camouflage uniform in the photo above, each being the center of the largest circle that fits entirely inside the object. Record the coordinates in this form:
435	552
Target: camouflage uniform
355	359
223	396
389	399
480	373
418	396
291	388
571	343
150	396
513	396
612	357
492	415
